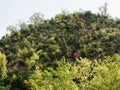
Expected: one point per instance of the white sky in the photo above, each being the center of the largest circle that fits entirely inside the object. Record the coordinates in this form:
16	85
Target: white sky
12	11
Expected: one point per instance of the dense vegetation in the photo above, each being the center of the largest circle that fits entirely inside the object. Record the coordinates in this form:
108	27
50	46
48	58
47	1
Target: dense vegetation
72	51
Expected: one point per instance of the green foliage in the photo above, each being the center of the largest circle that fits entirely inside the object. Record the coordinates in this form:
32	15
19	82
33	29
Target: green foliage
42	55
107	76
3	88
3	68
60	79
81	75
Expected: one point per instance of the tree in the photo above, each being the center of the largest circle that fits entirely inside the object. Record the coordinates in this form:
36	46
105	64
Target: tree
103	9
3	68
23	25
11	28
106	75
37	18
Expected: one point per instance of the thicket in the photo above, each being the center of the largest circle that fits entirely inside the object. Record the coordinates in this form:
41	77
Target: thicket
72	51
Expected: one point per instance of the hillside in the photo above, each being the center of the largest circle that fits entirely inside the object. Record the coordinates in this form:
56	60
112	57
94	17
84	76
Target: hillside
68	52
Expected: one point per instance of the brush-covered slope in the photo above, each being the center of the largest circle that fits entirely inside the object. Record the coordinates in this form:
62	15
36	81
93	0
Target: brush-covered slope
40	55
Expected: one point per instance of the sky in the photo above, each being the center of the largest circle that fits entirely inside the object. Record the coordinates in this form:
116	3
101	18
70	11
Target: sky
14	11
